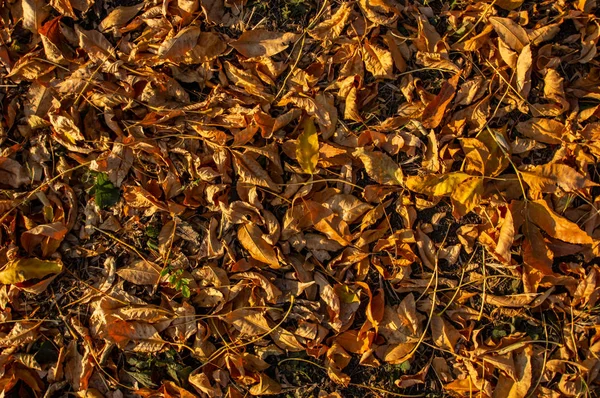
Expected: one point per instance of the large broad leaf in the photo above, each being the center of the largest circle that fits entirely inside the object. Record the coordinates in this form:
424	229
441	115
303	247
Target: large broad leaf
333	27
378	61
549	178
34	13
25	269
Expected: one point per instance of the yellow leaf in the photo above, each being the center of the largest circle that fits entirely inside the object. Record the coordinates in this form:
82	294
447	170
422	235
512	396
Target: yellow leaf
466	195
250	237
25	269
307	150
434	185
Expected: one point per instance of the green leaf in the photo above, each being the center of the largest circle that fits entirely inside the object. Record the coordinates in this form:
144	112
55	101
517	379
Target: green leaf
152	231
106	194
185	291
143	378
307	151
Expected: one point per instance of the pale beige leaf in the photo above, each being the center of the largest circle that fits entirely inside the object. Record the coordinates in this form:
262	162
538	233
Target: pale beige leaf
551	177
248	322
524	67
34	13
95	44
119	16
141	272
349	207
262	43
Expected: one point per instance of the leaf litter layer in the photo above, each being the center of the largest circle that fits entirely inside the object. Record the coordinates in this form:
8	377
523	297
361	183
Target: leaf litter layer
224	198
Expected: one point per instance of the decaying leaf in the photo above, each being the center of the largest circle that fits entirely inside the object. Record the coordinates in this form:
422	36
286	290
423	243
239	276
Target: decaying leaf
231	198
262	43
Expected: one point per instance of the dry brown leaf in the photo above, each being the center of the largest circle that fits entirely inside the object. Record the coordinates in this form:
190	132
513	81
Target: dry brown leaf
262	43
250	237
555	225
180	44
120	16
332	28
378	61
510	32
141	272
12	173
34	13
543	130
435	110
551	177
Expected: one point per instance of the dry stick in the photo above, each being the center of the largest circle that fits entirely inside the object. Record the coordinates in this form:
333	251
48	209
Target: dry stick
539	380
483	297
517	171
458	288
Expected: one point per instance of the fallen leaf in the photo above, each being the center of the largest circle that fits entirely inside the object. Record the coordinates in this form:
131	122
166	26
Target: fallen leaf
250	237
307	151
510	32
380	167
378	61
25	269
435	110
262	43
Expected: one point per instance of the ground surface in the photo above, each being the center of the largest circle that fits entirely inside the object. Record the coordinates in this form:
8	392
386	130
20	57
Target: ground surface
297	198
